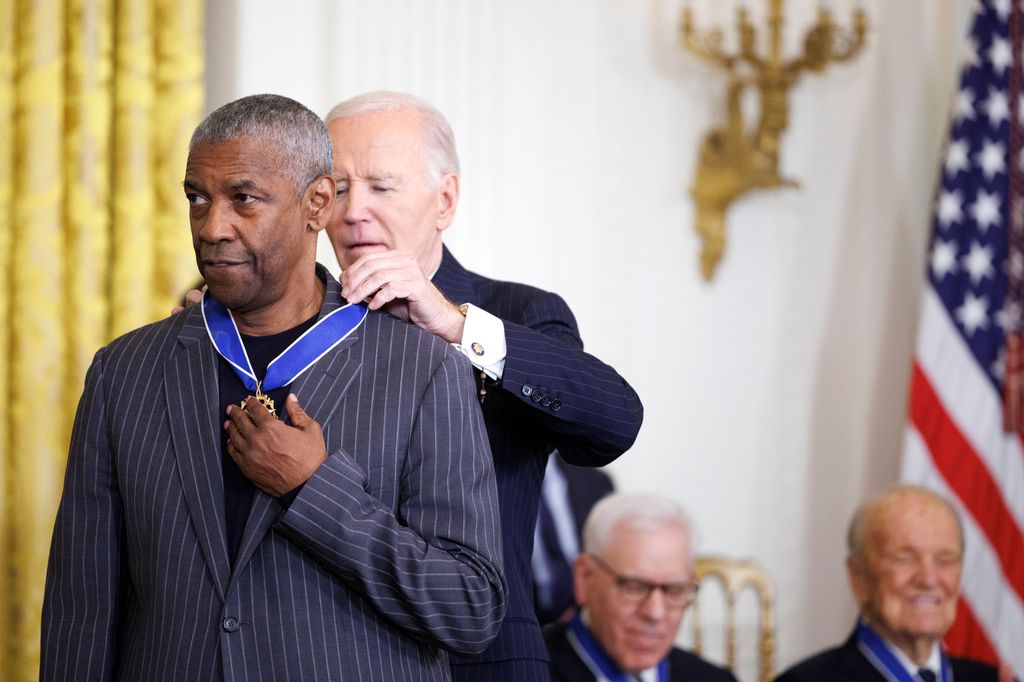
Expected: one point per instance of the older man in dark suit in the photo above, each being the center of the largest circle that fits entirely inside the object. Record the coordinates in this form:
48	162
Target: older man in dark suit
398	189
905	557
355	539
634	582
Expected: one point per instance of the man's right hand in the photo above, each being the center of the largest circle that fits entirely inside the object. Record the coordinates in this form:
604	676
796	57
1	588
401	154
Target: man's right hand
192	297
392	280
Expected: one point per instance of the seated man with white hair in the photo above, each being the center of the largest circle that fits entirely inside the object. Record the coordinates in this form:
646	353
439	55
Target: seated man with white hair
633	581
906	552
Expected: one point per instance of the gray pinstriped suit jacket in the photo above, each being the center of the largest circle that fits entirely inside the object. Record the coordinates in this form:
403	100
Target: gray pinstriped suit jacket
389	555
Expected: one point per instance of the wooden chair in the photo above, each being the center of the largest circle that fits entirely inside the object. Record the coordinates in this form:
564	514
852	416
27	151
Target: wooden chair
735	575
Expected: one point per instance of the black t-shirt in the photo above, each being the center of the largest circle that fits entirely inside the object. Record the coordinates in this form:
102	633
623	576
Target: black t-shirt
238	490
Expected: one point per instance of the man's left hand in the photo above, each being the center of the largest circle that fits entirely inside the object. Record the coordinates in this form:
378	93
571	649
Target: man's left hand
392	280
275	456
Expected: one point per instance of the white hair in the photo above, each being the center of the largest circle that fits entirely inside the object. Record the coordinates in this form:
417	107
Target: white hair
438	139
636	512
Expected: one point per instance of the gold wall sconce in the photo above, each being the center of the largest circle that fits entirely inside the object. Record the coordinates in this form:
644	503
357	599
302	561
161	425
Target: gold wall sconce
737	158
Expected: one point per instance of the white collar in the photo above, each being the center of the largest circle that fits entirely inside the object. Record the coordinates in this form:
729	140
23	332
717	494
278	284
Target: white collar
934	662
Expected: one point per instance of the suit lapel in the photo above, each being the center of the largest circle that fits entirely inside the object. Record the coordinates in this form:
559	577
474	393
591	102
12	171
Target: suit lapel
190	381
320	390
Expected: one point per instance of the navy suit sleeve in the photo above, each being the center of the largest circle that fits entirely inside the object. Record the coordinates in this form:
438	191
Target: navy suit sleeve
590	410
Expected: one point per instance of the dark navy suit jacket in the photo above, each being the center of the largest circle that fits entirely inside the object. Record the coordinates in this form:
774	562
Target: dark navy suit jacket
552	395
846	663
683	666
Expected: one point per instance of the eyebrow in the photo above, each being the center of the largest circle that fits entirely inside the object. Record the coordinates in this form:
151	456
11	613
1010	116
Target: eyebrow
192	185
242	187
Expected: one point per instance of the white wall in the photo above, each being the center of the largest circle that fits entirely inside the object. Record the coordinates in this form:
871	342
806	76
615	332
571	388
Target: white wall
775	395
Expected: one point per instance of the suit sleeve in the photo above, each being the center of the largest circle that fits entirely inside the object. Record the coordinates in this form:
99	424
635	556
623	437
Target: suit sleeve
592	413
80	602
433	568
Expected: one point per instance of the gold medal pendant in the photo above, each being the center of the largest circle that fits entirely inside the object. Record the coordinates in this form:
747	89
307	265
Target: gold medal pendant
264	399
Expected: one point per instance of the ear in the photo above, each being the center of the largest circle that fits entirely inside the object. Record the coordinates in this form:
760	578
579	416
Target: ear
318	201
582	570
858	580
448	201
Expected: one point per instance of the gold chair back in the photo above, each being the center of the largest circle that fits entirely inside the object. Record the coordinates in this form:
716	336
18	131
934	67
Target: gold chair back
735	575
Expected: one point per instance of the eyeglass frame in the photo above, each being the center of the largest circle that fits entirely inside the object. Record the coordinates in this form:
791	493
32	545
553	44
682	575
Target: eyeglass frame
624	583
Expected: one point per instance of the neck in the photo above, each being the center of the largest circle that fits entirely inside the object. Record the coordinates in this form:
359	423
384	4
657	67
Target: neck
288	312
432	262
917	649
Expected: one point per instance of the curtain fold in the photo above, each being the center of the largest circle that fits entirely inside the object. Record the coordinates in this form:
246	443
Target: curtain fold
97	99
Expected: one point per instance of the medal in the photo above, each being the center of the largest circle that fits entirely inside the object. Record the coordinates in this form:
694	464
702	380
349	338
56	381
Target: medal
264	399
315	342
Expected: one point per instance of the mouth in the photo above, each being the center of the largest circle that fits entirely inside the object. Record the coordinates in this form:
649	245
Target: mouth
366	245
925	600
645	639
221	263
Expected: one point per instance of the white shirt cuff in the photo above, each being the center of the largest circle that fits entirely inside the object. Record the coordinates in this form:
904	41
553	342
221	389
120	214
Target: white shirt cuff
483	341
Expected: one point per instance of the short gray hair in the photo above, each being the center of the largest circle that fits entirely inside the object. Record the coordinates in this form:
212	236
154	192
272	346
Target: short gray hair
636	512
856	534
307	152
438	139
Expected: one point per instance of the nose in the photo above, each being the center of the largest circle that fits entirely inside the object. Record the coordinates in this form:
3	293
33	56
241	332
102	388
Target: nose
653	607
217	223
927	573
354	204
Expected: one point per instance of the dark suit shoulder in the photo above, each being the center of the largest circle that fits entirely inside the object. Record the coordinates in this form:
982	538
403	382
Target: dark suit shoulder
148	343
521	303
969	670
565	665
684	665
840	663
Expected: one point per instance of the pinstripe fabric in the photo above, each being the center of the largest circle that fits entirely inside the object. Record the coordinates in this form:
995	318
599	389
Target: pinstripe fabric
389	556
597	418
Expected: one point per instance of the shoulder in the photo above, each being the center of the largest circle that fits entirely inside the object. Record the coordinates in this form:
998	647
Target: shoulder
565	664
513	296
142	346
843	662
685	665
969	670
387	341
509	297
555	635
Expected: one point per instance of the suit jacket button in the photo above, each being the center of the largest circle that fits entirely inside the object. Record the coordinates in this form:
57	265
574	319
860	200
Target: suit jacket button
537	396
556	405
527	390
547	401
230	624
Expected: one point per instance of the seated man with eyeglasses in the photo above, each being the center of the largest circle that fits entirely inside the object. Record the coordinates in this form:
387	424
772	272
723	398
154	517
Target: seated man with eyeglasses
633	582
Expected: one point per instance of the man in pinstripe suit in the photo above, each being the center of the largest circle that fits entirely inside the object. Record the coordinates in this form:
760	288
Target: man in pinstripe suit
357	539
398	187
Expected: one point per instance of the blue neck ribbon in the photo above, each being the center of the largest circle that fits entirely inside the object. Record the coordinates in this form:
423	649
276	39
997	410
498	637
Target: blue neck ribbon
880	656
597	658
328	332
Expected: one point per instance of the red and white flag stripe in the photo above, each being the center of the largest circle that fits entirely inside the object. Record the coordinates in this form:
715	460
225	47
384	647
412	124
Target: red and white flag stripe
956	445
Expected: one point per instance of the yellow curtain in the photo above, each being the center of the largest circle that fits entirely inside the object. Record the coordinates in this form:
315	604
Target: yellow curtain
97	100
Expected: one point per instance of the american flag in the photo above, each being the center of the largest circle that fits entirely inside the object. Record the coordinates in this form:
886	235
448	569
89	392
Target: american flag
956	442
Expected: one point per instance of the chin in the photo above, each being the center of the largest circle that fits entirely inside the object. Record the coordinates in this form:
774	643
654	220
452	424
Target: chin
635	663
232	298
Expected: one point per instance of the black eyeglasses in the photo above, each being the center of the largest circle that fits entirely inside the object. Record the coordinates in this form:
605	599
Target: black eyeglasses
636	590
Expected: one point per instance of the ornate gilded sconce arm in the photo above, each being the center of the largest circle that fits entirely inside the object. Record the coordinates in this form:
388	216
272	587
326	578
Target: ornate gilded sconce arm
733	161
